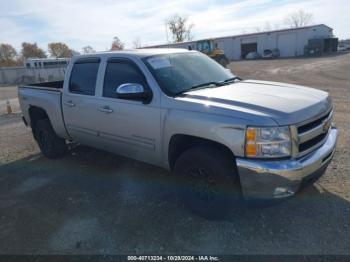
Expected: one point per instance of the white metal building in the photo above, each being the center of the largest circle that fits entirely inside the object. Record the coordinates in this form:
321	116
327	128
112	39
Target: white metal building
290	42
46	62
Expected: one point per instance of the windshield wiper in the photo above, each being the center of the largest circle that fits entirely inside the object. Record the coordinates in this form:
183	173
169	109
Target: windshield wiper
210	85
201	86
232	79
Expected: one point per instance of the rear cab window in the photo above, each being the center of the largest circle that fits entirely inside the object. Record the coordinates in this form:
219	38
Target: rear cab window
83	76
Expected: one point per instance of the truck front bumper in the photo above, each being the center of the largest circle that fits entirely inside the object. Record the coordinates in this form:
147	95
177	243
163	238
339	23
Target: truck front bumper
276	179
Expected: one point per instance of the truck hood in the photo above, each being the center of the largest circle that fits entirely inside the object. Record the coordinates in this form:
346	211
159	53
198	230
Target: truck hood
285	103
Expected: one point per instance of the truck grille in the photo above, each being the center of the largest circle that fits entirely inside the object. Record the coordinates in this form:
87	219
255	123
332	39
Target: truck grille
313	134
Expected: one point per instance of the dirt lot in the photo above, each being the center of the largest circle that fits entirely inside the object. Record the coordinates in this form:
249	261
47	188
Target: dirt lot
92	202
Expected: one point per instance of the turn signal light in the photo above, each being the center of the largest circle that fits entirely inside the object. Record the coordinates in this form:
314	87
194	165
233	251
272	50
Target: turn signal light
251	149
251	134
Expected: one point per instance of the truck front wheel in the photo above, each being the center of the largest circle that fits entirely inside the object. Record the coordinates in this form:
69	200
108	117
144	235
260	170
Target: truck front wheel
209	183
51	146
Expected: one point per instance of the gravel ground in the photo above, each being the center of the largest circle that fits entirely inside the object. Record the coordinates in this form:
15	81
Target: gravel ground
92	202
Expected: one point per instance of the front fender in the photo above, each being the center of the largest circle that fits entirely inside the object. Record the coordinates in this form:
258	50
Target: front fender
227	131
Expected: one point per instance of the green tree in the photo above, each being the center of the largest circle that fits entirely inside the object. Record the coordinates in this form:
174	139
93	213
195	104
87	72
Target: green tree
59	50
8	55
32	50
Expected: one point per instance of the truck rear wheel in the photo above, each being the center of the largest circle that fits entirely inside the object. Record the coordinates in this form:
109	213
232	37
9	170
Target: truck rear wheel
51	146
209	184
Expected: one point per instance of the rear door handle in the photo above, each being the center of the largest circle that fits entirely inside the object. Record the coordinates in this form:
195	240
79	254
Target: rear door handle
69	103
105	109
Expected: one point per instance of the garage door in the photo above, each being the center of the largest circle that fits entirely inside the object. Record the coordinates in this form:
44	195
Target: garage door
286	43
247	48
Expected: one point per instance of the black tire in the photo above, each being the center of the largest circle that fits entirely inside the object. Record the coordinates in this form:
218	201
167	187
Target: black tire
222	60
226	62
51	146
209	183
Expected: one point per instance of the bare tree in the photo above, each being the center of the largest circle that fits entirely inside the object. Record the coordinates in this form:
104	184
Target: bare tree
32	50
180	28
257	29
59	49
298	19
276	26
264	28
88	50
136	43
267	26
74	52
117	44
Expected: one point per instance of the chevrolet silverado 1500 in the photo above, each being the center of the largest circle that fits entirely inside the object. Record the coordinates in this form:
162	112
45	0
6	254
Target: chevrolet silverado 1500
224	137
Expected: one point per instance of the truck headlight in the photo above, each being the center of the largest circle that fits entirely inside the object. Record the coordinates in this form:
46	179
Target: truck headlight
268	142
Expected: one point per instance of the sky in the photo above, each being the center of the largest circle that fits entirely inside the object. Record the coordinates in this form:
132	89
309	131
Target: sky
79	23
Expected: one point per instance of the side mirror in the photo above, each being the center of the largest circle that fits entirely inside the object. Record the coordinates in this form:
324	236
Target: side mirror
134	91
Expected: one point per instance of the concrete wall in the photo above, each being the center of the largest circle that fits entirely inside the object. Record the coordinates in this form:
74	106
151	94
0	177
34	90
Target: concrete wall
22	75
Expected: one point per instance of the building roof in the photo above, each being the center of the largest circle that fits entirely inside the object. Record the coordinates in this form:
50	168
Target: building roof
277	31
249	34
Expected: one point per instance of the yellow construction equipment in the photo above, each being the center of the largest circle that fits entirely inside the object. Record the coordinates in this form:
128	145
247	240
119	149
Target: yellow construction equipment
210	48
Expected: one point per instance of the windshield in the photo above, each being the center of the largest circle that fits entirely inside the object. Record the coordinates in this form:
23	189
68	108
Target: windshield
179	72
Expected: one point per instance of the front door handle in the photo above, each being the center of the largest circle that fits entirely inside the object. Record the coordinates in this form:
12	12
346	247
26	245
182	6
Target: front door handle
69	103
105	109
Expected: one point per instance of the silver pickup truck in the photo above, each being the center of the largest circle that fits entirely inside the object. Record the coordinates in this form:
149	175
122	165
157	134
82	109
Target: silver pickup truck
222	136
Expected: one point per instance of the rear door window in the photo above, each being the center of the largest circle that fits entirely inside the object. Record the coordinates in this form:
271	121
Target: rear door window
84	76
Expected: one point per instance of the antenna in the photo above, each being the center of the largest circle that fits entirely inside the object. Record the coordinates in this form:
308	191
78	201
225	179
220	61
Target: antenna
166	32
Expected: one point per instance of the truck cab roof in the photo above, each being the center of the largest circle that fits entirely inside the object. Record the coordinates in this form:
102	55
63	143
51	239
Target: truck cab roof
136	52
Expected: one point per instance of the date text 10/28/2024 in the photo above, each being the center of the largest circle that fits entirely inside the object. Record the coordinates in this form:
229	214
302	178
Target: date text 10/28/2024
173	258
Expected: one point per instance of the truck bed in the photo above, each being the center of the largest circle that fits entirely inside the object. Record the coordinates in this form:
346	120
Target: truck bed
46	96
46	85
